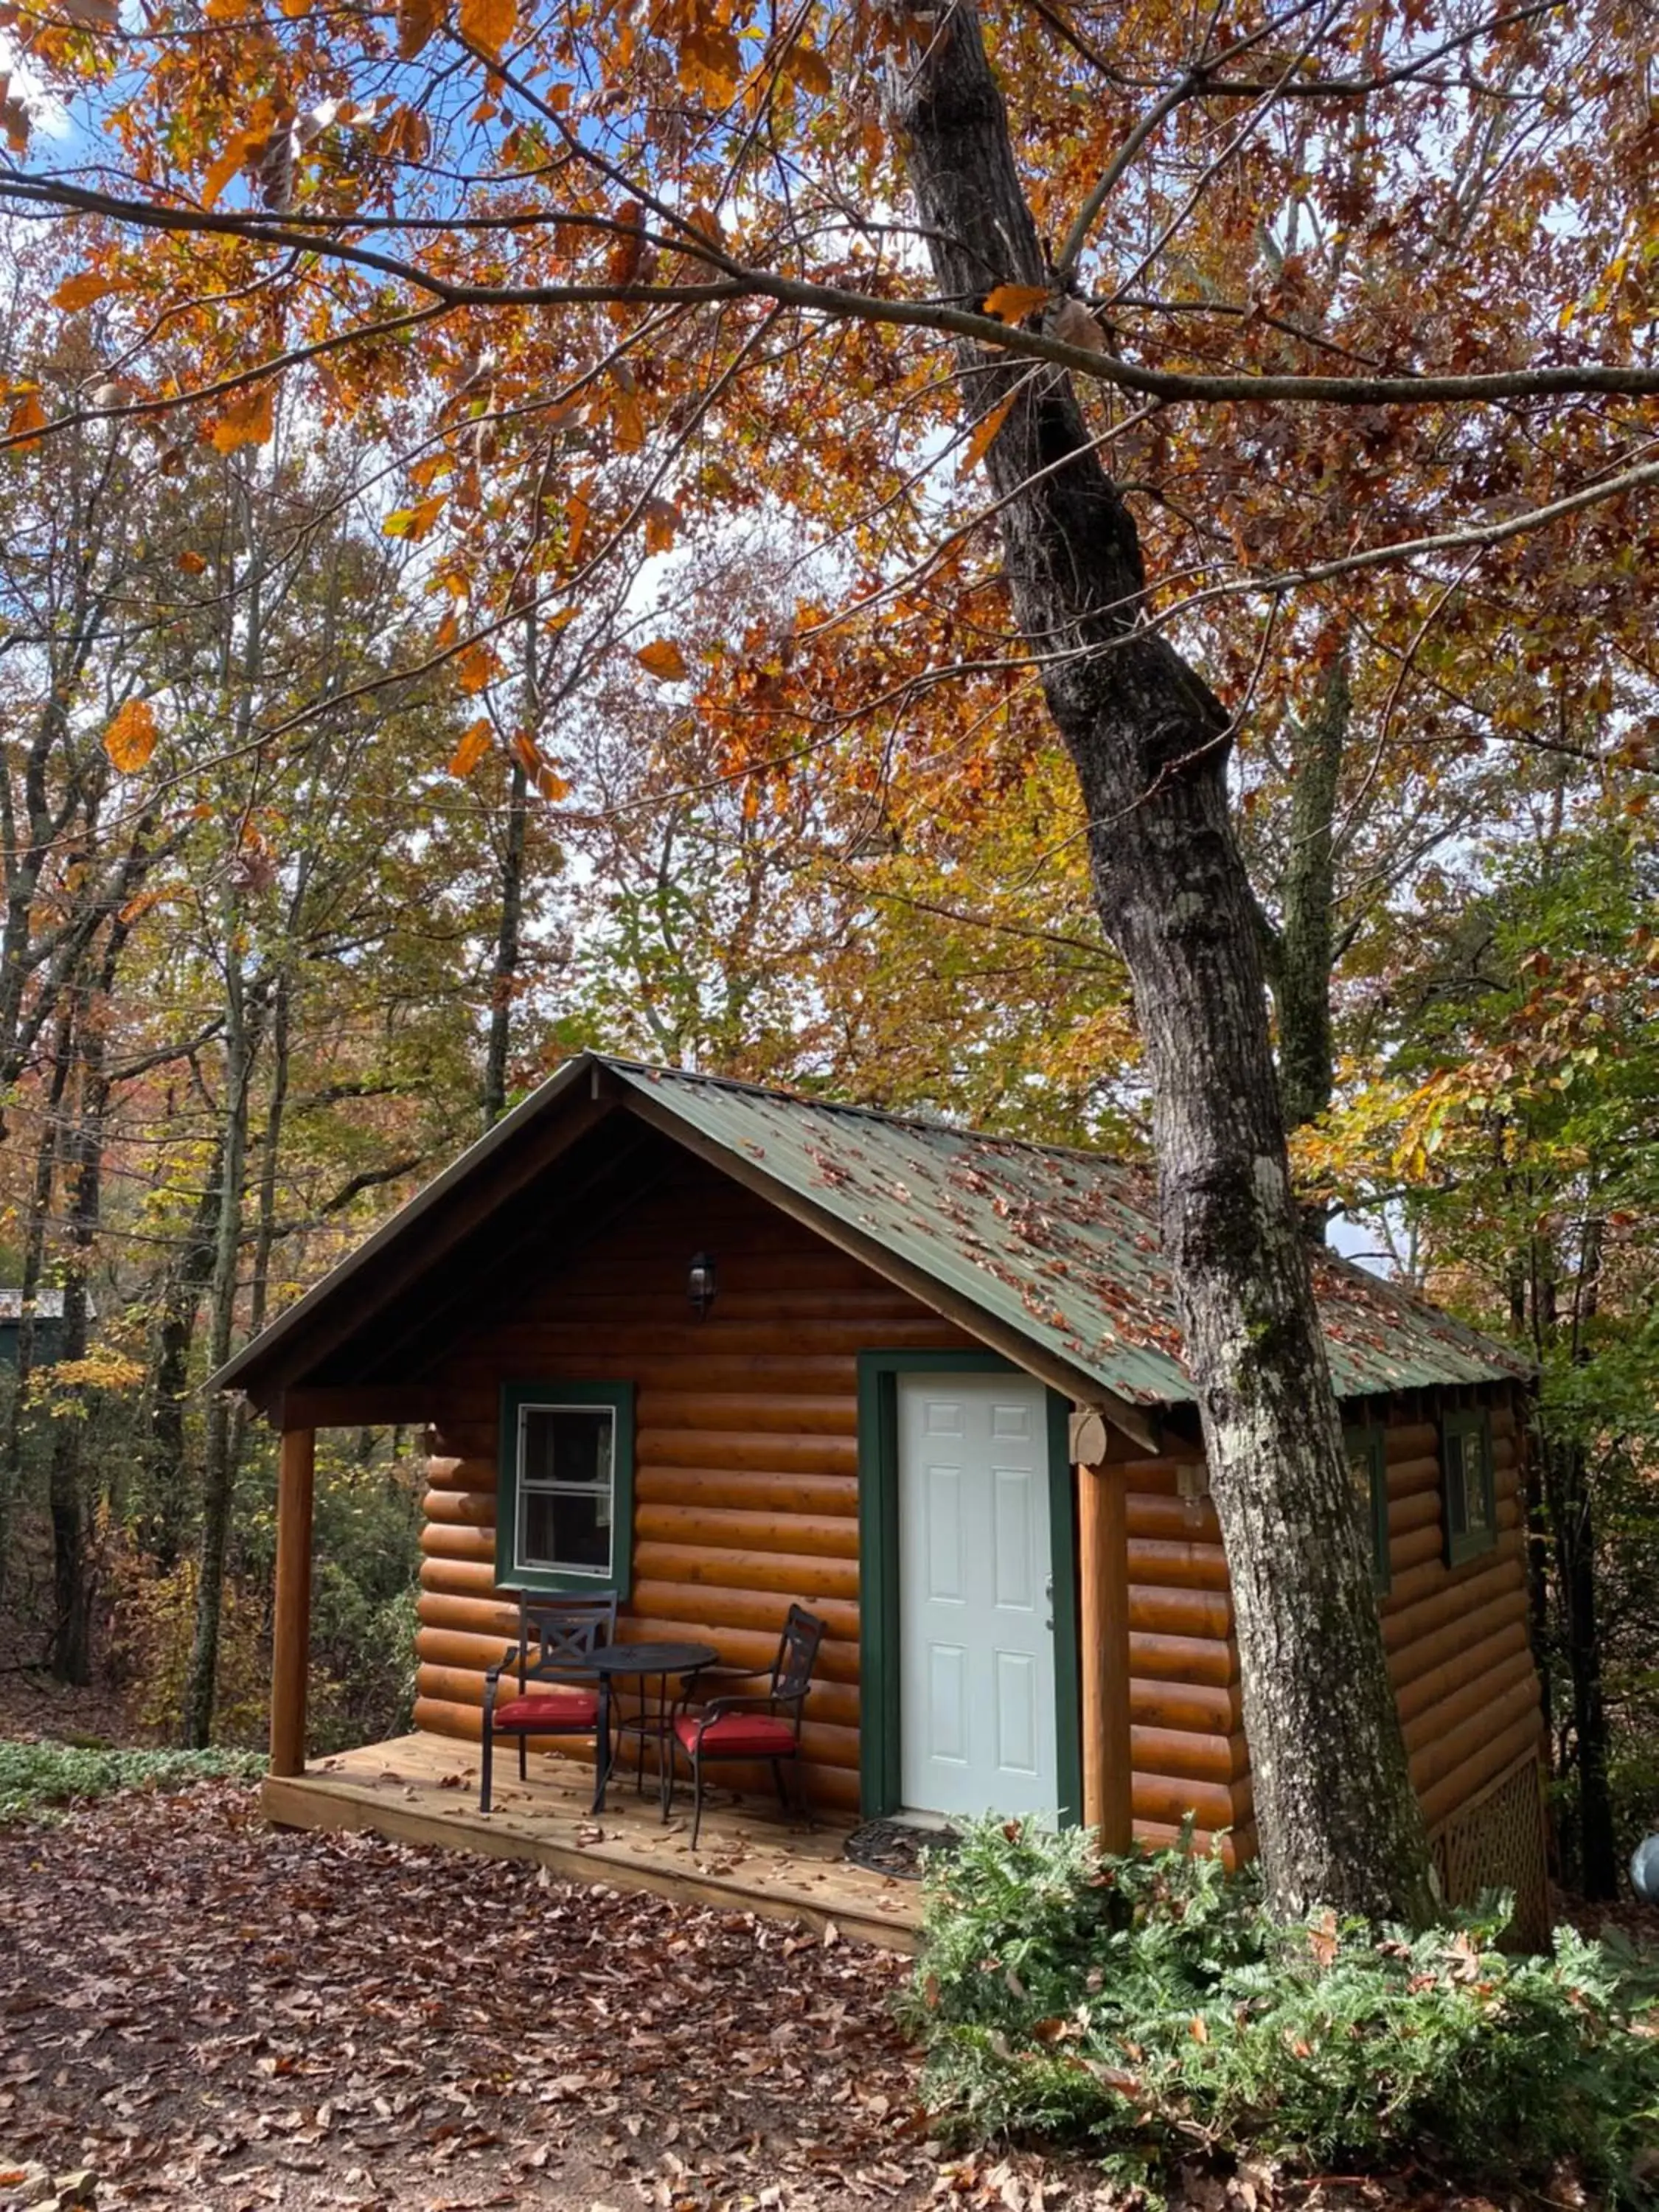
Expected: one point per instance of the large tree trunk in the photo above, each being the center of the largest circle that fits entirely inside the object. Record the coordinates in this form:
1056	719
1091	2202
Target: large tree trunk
1337	1818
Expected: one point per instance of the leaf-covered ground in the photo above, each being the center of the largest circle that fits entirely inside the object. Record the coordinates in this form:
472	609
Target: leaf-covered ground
205	2012
202	2012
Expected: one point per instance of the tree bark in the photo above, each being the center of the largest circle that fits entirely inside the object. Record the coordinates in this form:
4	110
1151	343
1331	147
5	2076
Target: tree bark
1305	953
504	975
170	1379
34	1256
218	1462
1337	1818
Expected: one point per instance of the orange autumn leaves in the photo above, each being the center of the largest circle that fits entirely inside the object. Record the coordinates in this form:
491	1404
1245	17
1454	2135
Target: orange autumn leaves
476	742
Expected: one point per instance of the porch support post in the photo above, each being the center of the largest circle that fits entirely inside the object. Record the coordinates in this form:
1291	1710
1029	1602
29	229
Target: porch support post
1103	1640
291	1628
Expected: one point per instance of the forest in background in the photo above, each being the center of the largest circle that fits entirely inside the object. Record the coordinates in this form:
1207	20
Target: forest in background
293	908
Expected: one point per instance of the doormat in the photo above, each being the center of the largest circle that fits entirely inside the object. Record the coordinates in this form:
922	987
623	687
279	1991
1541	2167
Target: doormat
895	1848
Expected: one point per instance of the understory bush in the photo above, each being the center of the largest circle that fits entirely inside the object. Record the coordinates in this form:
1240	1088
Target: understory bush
1149	2007
38	1779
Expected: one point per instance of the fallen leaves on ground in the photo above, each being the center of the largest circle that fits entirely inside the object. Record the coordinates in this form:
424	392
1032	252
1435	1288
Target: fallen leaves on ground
198	2009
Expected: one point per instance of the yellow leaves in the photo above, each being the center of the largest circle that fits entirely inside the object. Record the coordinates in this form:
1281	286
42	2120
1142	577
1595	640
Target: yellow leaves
249	420
131	737
1013	303
448	633
711	64
805	67
414	522
487	24
193	564
27	421
224	166
85	290
663	658
474	744
985	433
476	668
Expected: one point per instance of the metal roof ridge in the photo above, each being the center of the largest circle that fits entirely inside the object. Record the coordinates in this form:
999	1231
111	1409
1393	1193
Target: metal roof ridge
933	1123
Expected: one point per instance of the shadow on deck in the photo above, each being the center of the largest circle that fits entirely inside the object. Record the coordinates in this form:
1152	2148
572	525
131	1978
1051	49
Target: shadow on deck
424	1789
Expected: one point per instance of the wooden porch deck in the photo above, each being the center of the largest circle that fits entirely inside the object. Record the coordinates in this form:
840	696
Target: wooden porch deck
423	1789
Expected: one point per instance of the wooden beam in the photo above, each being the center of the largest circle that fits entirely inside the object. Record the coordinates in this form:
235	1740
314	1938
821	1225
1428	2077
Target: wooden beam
291	1624
1103	1639
357	1405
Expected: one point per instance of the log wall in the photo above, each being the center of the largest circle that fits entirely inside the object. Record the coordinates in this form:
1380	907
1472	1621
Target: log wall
746	1487
1456	1639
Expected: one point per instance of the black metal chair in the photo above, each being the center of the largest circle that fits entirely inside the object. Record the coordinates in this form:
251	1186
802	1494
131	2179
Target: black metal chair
764	1726
555	1634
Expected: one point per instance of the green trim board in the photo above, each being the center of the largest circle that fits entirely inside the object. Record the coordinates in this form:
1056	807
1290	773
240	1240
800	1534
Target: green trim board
1466	1476
517	1398
880	1711
1366	1443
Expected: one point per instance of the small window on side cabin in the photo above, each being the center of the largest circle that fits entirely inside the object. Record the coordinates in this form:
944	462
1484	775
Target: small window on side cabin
565	1512
1469	1498
1368	1463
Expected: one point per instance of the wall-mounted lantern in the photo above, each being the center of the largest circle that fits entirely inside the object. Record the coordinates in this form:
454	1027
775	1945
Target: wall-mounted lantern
700	1283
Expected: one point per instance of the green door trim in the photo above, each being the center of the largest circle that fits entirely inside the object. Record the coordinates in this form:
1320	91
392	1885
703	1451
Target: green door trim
879	1767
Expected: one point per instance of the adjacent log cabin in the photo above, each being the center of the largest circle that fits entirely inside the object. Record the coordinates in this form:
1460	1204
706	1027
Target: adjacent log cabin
718	1348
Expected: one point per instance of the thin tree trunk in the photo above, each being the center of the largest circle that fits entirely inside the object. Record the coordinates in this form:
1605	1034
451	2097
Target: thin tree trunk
34	1253
265	1233
218	1463
1567	1477
505	973
1306	949
1338	1820
170	1379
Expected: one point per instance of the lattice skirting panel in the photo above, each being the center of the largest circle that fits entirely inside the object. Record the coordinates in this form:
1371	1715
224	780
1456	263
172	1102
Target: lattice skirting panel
1498	1842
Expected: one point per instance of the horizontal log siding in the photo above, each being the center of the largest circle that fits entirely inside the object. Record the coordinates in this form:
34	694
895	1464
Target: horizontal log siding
1459	1654
1456	1638
745	1489
1186	1733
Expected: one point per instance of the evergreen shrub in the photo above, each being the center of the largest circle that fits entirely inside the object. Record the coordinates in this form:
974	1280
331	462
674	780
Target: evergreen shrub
1149	2007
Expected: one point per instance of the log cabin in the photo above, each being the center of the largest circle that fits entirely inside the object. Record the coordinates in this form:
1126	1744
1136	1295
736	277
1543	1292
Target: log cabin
929	1384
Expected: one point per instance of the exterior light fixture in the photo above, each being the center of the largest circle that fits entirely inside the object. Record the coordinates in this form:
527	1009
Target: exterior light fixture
700	1283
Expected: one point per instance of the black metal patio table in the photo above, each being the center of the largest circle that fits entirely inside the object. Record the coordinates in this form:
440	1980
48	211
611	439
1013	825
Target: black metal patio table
639	1661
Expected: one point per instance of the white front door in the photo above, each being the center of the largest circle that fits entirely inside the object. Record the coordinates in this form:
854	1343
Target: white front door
976	1647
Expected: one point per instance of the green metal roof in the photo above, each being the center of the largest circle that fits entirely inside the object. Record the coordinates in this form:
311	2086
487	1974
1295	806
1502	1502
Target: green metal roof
1061	1245
1056	1249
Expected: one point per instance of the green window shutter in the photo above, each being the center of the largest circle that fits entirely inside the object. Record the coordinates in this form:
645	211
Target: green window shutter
564	1501
1367	1462
1468	1493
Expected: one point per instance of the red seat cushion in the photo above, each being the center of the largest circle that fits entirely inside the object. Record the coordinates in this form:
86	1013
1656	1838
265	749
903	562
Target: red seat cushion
738	1736
564	1709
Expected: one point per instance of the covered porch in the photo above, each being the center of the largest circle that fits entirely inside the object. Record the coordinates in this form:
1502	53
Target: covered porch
423	1789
